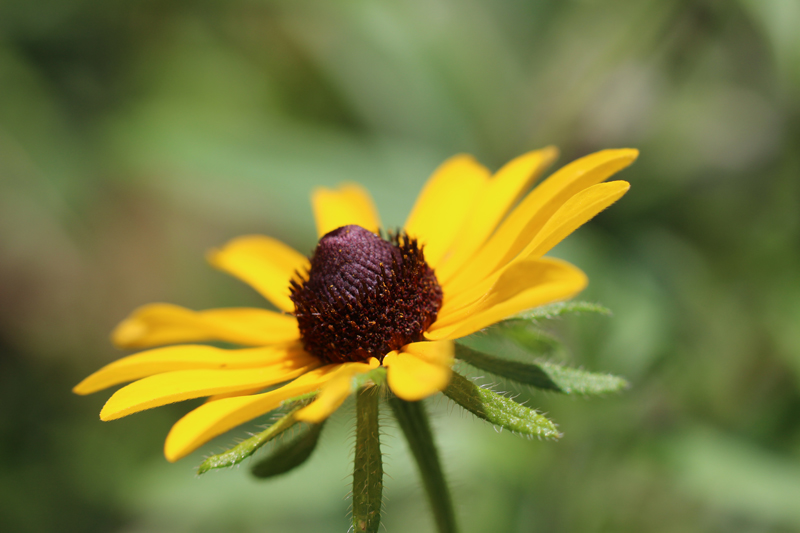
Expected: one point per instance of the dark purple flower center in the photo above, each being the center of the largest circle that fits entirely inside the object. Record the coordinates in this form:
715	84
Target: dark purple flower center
364	296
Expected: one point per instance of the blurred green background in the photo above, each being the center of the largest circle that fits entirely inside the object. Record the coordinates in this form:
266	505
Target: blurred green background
135	135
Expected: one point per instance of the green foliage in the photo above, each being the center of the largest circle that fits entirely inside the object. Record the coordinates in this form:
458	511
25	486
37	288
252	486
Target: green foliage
550	311
413	420
248	447
529	336
368	465
576	381
290	454
499	410
524	329
543	374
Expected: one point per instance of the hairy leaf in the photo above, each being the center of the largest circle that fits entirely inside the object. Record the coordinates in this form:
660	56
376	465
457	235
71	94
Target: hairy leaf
546	312
526	335
543	374
248	447
290	454
498	409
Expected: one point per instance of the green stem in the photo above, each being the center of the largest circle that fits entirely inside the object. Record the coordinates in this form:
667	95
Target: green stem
413	420
368	471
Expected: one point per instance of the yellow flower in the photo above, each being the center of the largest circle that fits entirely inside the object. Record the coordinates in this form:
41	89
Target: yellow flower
465	259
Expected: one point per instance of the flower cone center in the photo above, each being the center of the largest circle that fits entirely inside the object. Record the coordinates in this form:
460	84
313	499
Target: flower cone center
364	296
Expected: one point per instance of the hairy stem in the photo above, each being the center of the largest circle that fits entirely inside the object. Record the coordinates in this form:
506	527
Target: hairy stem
413	420
368	470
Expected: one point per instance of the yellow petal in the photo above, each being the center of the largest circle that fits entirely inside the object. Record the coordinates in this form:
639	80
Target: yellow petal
349	204
264	263
523	285
528	218
444	203
234	394
159	324
186	357
180	385
531	272
574	213
215	418
334	392
491	204
419	369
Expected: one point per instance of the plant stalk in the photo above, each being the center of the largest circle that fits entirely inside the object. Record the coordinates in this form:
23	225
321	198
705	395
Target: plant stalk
413	420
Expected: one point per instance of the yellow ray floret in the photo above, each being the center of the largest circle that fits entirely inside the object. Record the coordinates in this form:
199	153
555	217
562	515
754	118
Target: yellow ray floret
526	220
444	204
349	204
185	357
419	369
497	196
264	263
523	285
214	418
180	385
333	393
159	324
574	213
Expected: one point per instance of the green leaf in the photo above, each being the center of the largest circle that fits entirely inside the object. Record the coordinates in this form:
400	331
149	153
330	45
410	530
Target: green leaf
528	336
290	454
368	466
523	329
543	374
577	381
248	447
499	410
413	420
550	311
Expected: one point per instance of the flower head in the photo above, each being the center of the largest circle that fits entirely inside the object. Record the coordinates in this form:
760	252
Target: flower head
465	259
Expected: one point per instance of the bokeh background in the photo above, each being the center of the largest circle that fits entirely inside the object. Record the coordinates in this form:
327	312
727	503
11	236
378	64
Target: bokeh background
135	135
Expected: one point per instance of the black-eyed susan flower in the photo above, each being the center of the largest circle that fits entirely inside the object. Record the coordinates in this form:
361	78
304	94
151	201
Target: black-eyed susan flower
470	254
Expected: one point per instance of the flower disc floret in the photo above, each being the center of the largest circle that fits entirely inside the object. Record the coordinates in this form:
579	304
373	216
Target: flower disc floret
364	296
